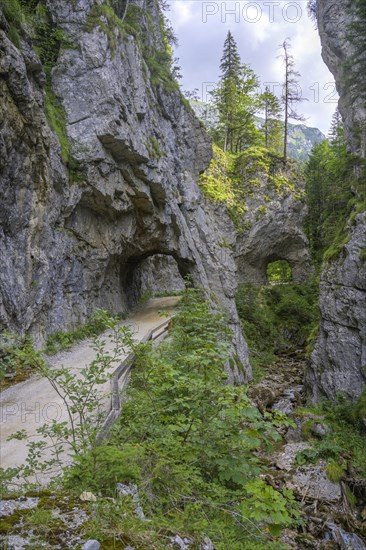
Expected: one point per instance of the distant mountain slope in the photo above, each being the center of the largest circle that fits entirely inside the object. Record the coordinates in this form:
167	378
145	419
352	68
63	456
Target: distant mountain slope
301	138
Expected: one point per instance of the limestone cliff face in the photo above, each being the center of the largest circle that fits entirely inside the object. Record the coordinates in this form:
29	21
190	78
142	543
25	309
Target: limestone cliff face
338	51
338	363
69	245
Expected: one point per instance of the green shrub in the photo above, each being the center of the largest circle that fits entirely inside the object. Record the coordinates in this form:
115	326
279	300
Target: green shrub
18	356
57	118
100	469
13	11
279	272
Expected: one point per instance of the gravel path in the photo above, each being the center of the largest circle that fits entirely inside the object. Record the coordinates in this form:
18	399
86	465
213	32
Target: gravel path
30	404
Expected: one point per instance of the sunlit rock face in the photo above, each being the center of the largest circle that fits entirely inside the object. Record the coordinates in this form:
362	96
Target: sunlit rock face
338	363
72	237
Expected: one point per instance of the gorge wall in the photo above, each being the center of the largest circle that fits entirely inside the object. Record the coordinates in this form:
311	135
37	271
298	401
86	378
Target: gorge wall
81	213
338	363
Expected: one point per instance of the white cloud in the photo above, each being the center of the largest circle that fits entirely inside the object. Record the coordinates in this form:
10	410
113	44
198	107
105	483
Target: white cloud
259	28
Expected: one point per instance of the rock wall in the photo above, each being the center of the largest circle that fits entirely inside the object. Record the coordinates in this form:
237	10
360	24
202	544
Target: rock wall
338	363
157	274
334	23
71	241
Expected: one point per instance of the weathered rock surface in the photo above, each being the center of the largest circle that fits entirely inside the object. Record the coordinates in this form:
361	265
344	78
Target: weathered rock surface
338	364
310	481
157	274
71	244
334	18
272	230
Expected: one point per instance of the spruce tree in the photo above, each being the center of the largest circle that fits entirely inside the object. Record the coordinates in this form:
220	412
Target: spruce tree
230	64
234	100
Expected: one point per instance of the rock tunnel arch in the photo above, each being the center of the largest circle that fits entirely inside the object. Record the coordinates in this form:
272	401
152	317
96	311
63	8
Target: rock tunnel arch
252	262
154	272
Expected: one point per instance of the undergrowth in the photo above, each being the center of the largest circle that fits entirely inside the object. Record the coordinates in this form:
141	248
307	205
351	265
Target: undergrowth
231	179
276	319
344	444
190	442
18	358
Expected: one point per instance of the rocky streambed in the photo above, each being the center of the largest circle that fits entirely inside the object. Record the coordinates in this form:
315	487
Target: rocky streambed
333	510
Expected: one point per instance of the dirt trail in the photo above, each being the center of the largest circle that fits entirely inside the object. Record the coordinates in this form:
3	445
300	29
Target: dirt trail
30	404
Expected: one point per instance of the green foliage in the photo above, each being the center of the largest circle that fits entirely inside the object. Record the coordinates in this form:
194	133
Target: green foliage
217	183
104	17
272	127
189	441
18	356
333	193
277	318
359	408
345	443
84	400
14	14
279	272
98	323
335	471
154	148
271	506
49	39
100	469
236	102
231	179
57	118
159	63
256	167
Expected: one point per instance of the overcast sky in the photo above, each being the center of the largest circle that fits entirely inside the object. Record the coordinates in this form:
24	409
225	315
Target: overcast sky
258	27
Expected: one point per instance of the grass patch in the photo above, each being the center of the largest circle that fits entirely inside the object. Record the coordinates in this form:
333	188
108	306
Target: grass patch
337	247
57	118
14	14
335	472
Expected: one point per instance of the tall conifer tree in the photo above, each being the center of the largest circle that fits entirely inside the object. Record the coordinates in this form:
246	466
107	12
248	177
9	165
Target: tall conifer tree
234	100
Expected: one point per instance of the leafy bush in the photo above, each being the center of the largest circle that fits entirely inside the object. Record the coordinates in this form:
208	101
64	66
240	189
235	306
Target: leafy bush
18	356
14	14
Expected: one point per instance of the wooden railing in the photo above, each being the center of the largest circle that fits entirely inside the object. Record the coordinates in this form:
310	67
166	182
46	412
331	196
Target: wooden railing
123	370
